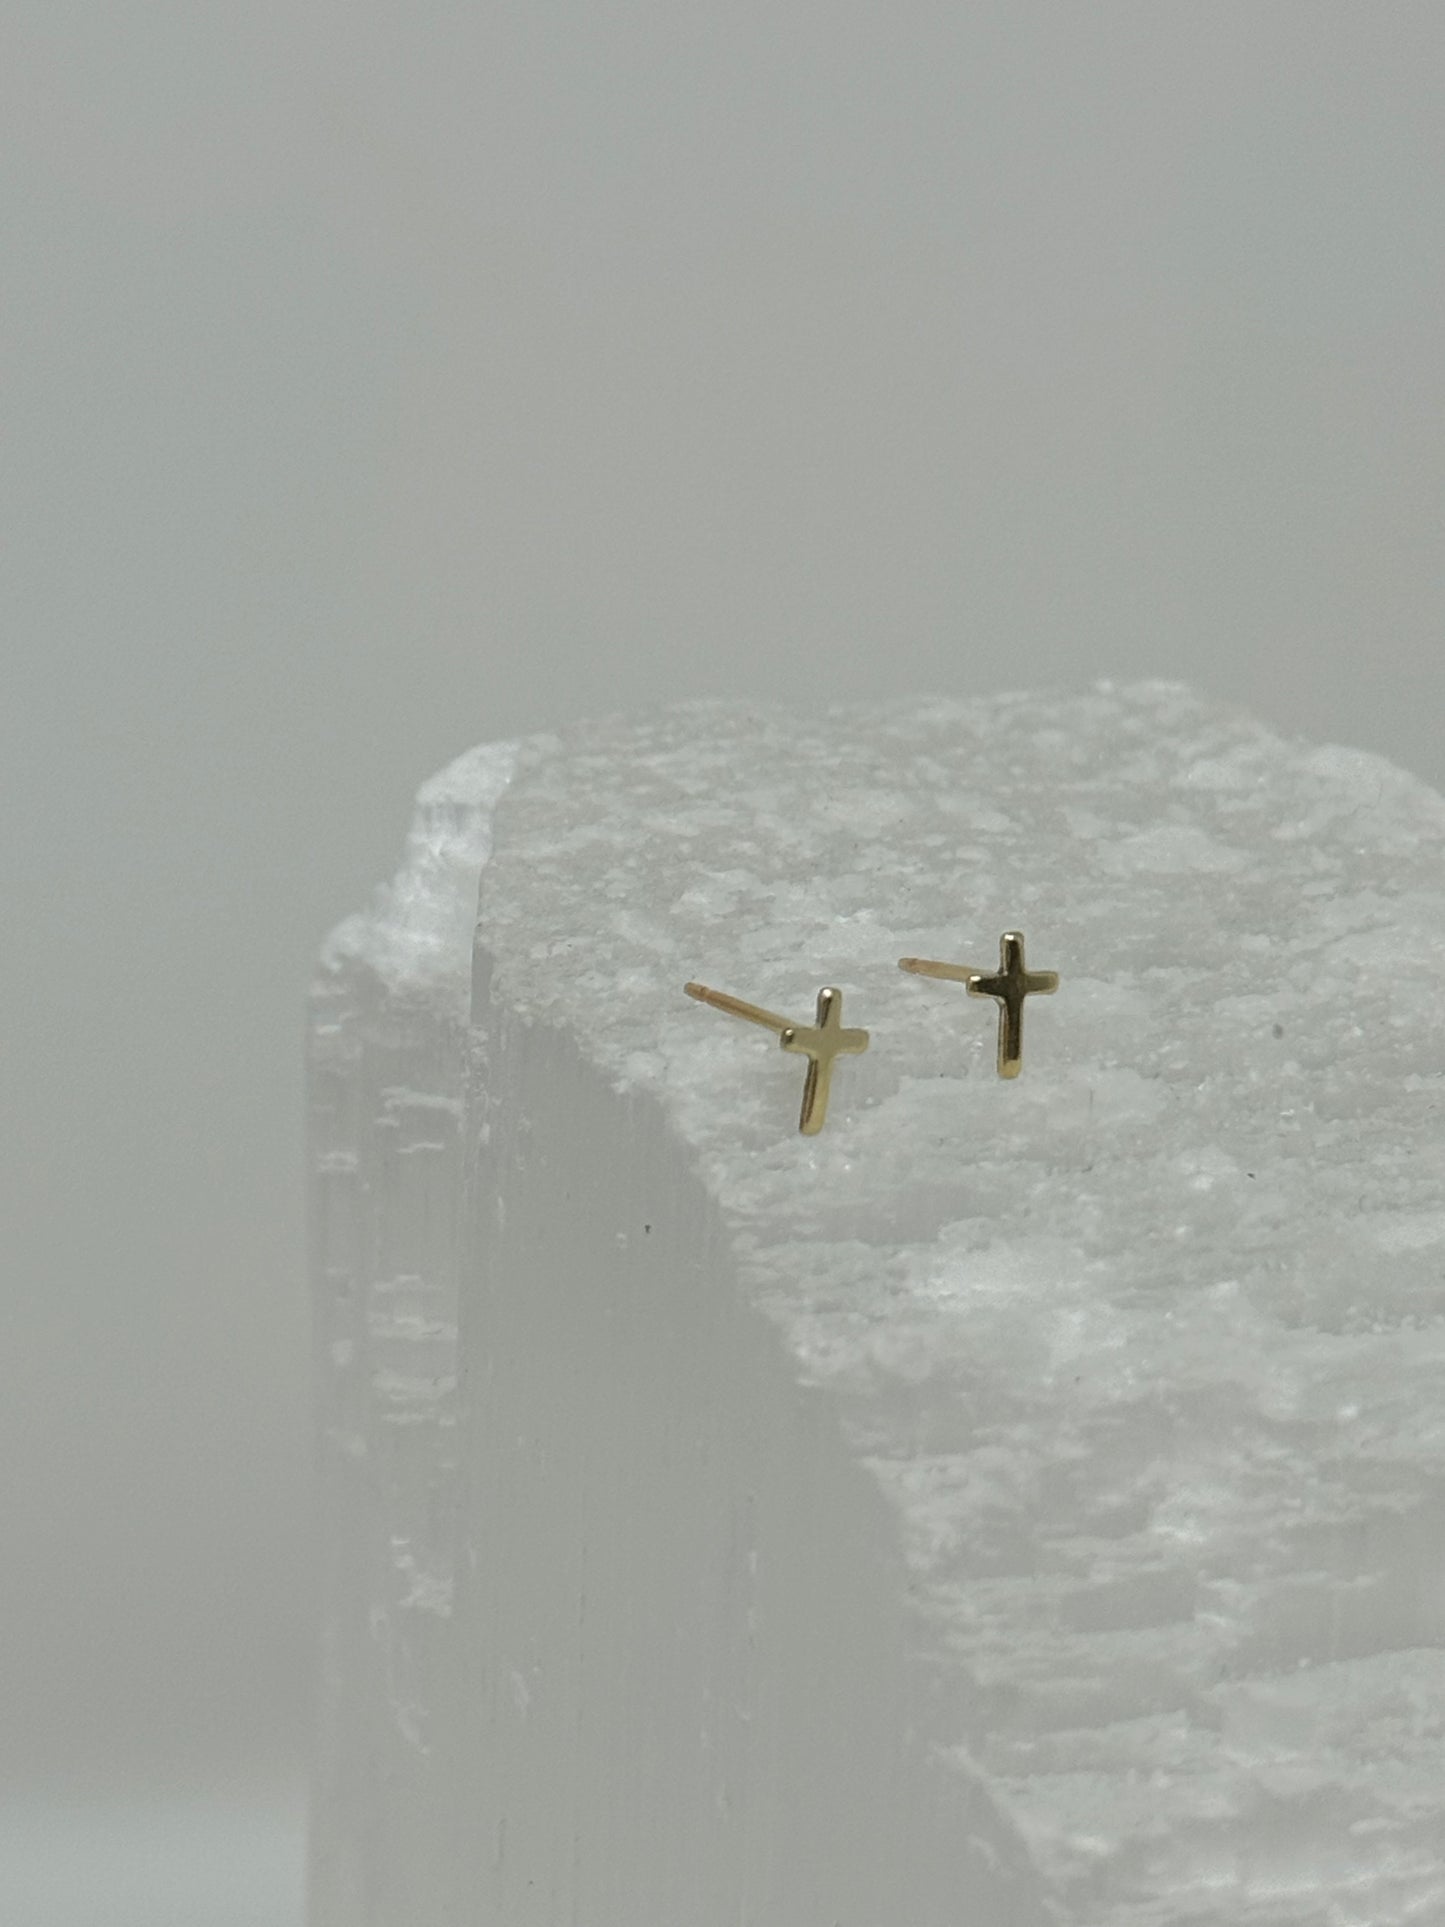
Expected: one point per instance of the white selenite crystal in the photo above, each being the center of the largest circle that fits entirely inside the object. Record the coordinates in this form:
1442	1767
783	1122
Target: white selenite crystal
1023	1503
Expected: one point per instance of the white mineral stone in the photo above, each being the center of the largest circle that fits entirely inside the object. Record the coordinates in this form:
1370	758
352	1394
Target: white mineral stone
1023	1502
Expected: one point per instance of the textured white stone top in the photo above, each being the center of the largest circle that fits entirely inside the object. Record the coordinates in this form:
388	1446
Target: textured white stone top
1146	1347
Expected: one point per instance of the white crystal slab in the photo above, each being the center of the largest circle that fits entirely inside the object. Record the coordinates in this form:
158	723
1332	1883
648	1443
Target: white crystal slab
1138	1358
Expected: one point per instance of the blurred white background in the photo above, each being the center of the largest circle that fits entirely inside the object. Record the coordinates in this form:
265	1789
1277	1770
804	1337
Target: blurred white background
383	378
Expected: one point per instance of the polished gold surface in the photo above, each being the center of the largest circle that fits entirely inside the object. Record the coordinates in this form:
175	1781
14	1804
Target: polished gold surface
1013	983
822	1043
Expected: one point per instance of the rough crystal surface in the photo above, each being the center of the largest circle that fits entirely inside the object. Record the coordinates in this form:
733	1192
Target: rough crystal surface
1140	1357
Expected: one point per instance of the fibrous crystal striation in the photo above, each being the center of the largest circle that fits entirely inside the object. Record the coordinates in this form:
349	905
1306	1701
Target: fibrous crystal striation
1023	1501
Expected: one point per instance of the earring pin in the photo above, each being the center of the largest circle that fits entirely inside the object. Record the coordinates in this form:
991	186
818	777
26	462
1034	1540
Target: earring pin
822	1043
1009	987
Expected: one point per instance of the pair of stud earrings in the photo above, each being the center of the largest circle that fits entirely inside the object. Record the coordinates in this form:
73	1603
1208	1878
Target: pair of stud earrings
825	1040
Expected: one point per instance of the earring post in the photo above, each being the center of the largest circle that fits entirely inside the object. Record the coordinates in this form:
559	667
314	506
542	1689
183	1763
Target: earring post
735	1007
926	967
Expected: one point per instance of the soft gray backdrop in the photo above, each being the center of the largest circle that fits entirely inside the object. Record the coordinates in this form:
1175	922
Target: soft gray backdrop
384	377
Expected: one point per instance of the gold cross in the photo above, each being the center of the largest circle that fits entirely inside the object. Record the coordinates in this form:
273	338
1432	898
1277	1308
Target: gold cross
1012	984
821	1043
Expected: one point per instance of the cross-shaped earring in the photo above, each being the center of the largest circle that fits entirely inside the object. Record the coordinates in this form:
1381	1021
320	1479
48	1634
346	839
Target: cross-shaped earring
821	1043
1010	987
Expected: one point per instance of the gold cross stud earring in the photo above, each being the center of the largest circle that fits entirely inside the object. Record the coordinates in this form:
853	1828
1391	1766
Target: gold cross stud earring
1010	987
821	1043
